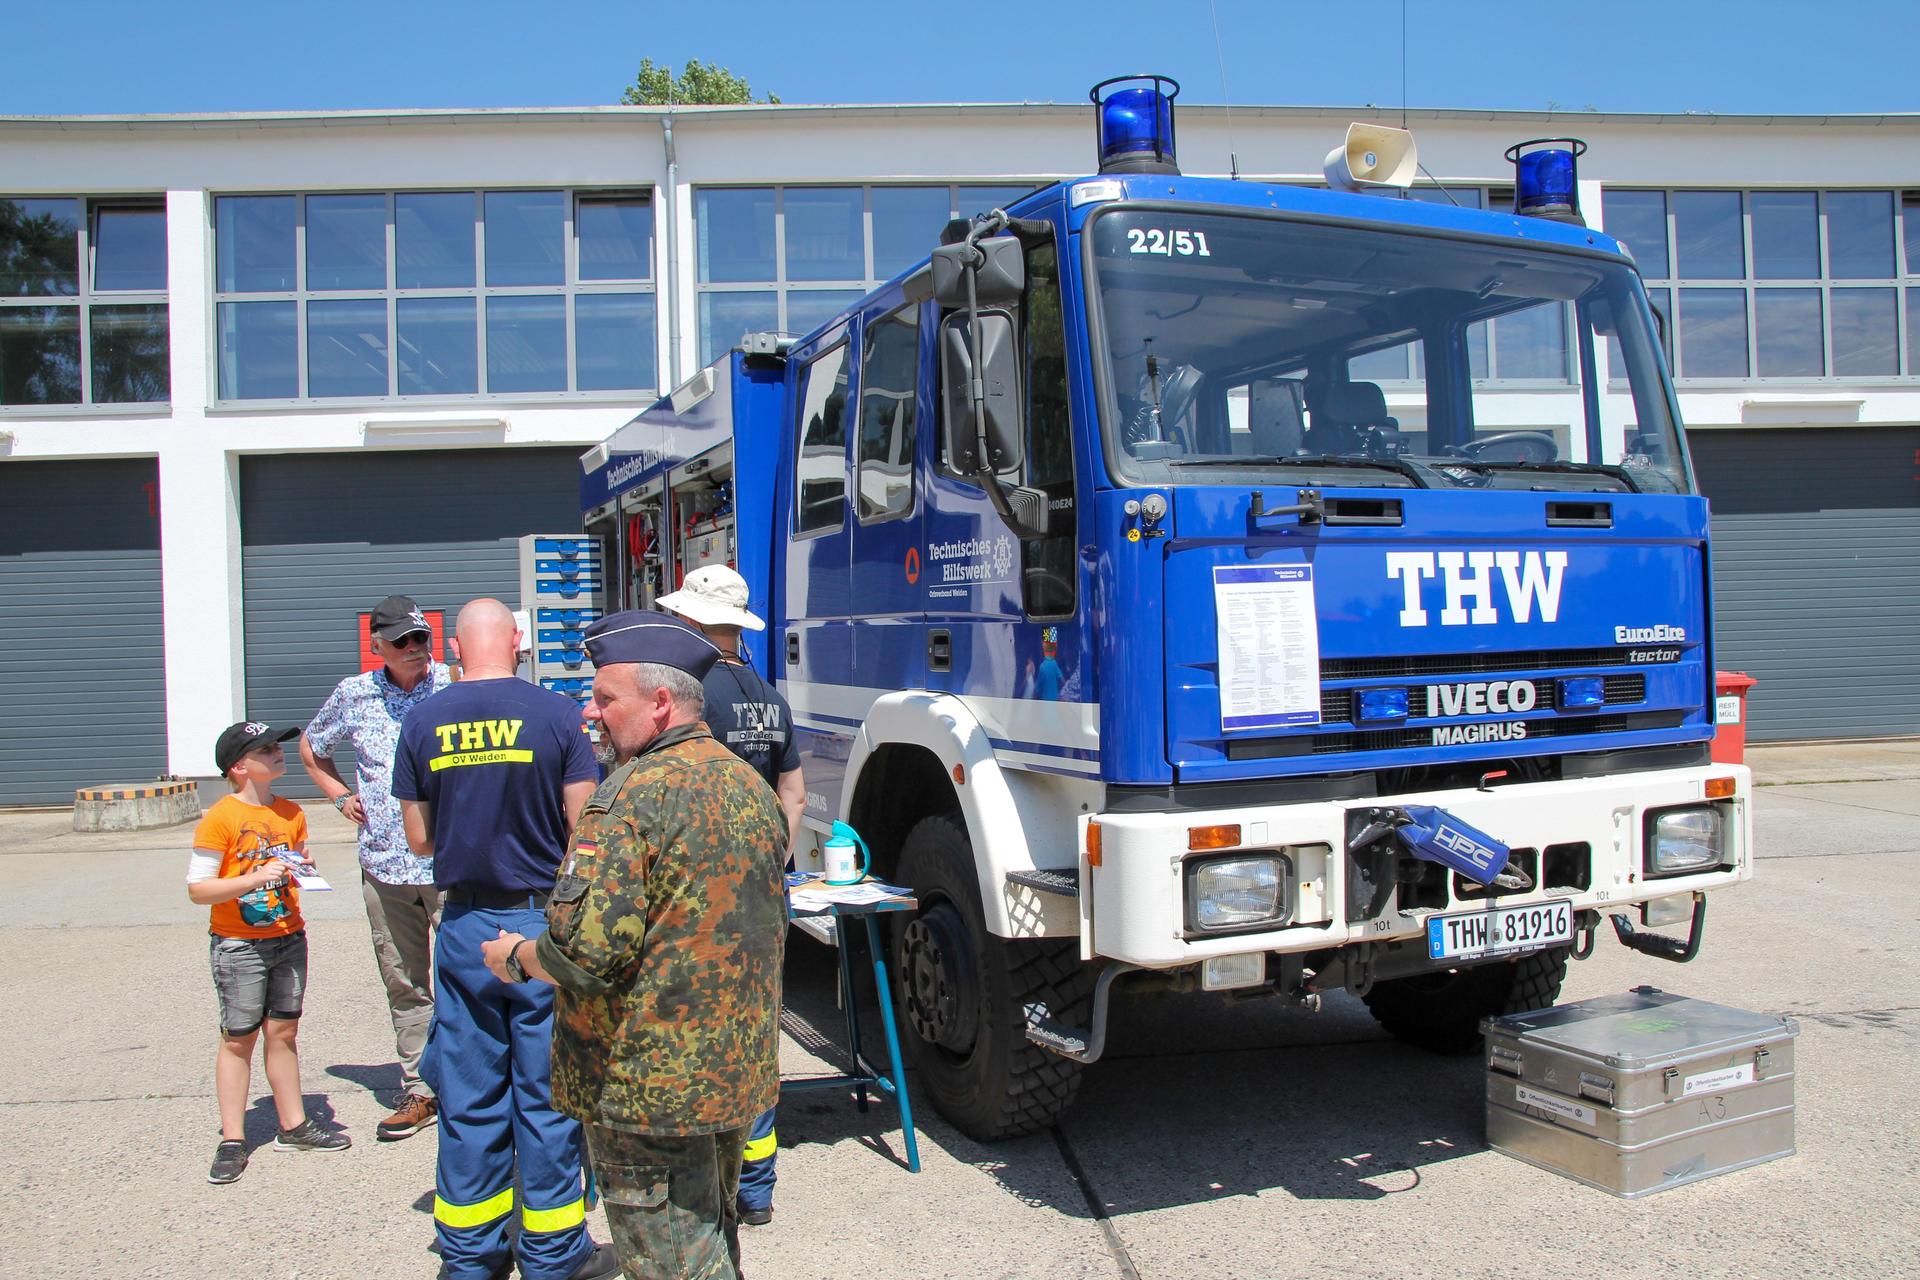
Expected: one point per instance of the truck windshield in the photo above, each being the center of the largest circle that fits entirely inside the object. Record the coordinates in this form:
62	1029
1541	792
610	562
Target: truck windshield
1242	344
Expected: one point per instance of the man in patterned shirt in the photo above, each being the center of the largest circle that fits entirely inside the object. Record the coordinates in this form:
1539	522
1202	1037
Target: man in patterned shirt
403	908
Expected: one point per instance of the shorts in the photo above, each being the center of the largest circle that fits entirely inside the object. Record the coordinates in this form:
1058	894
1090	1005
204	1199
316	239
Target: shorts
258	978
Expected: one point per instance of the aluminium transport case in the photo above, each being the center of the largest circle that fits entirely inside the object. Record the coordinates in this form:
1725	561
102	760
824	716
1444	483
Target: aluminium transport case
1639	1092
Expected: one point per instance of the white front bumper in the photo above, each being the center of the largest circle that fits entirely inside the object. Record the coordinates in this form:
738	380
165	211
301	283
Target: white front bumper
1132	905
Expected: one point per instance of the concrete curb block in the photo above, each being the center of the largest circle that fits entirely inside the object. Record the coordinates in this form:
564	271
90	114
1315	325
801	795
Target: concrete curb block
135	807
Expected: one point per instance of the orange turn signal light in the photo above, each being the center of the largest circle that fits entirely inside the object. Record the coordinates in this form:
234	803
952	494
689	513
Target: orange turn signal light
1224	836
960	774
1093	844
1719	788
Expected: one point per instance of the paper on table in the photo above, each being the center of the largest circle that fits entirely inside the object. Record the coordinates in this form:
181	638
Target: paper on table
815	897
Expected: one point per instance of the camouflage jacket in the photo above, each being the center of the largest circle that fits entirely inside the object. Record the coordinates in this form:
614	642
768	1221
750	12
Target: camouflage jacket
665	936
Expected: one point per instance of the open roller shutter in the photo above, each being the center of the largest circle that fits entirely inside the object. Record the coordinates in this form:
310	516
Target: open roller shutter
326	536
1816	543
82	672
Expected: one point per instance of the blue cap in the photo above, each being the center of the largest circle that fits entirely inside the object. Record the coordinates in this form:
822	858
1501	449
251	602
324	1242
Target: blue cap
642	635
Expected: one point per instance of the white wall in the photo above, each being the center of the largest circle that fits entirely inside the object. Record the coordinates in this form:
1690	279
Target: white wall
198	443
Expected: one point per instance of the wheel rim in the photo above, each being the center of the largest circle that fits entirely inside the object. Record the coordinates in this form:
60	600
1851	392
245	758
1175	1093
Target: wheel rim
940	978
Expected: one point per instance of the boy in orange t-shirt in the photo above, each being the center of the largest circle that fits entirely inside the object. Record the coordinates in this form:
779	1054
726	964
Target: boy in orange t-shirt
246	852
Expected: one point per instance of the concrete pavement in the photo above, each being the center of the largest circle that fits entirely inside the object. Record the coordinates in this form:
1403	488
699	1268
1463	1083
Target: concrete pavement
1217	1139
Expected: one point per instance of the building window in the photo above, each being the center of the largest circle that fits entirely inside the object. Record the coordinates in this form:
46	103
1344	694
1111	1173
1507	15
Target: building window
791	258
1778	284
83	301
373	296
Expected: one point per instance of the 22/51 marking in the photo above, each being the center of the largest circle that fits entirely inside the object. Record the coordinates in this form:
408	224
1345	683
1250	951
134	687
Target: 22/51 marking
1177	243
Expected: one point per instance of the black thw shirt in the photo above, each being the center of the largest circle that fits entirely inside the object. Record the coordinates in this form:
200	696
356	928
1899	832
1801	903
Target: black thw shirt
493	758
750	719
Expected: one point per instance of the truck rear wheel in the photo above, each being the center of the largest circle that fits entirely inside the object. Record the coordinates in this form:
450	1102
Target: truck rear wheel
1442	1011
963	997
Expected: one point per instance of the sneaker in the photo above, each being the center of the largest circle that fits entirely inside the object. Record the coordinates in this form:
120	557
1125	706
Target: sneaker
756	1217
228	1161
604	1261
412	1113
308	1136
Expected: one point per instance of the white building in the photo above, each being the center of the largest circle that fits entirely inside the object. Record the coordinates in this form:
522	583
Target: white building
257	372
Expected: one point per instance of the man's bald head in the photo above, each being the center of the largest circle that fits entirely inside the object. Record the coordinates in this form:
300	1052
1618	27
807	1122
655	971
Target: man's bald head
486	632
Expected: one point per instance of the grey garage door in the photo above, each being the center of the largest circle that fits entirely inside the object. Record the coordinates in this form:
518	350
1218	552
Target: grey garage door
82	675
326	536
1817	575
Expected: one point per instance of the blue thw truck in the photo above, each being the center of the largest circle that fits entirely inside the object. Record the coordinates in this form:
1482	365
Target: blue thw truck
1226	586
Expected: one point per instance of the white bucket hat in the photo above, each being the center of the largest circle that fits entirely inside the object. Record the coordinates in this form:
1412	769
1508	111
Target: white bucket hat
714	596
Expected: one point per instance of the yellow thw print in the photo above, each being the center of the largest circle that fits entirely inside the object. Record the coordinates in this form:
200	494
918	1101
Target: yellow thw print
477	735
469	742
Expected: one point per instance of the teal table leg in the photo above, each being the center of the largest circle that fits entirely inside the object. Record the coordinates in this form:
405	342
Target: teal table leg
893	1044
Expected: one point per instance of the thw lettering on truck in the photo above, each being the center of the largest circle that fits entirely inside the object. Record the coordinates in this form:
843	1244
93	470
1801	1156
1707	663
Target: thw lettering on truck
1530	578
466	742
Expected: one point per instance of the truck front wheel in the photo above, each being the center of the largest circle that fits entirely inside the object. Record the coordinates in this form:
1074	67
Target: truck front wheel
1442	1011
963	997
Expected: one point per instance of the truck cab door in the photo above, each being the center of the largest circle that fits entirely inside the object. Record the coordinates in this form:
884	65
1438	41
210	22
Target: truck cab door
814	660
1006	609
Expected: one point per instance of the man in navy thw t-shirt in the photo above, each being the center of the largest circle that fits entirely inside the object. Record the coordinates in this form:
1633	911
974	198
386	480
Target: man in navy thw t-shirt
491	774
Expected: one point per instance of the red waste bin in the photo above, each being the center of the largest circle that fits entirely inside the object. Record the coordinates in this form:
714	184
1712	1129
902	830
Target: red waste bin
1730	715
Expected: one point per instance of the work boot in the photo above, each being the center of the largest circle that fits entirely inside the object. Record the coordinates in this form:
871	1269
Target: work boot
756	1215
228	1161
604	1261
309	1136
414	1112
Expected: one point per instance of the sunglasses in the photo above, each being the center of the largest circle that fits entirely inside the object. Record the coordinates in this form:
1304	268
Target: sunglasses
413	639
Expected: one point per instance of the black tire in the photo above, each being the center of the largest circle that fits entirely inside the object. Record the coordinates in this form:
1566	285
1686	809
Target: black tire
962	997
1442	1011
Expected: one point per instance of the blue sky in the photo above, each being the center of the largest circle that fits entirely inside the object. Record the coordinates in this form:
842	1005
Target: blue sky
1753	56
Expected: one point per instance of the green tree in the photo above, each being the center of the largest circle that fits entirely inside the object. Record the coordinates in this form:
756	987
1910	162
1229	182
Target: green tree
657	86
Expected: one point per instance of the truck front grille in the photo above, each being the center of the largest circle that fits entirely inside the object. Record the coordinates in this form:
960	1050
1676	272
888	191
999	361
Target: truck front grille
1468	664
1336	705
1409	736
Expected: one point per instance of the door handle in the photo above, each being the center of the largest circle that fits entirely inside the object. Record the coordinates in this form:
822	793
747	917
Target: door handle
793	649
940	650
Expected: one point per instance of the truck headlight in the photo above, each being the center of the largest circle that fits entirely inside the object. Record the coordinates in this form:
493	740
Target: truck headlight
1242	892
1683	840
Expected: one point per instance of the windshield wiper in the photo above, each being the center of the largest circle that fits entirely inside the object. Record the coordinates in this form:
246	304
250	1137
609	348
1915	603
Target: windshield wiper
1395	465
1569	468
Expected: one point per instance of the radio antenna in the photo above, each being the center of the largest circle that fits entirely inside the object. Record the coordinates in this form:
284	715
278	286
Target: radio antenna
1233	158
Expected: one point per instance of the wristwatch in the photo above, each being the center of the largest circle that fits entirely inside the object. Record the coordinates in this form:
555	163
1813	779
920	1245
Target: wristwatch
340	801
514	968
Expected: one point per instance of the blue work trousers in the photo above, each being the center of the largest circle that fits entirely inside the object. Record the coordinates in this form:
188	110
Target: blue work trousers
489	1059
757	1174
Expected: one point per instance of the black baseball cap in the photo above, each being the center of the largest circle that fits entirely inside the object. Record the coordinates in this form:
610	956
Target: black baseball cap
397	616
238	739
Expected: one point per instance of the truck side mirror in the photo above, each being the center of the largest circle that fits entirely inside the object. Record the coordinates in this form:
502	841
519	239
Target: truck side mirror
1001	279
999	374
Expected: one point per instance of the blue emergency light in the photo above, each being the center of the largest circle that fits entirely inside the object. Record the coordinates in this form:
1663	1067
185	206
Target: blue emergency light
1379	704
1582	693
1546	175
1133	124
